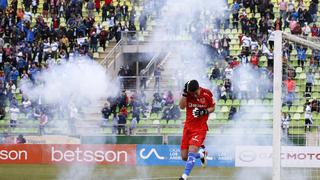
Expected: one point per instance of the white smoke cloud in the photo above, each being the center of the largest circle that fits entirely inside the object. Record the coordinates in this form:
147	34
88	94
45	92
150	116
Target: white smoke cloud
80	84
71	81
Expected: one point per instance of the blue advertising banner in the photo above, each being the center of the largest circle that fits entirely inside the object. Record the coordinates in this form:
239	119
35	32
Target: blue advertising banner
169	155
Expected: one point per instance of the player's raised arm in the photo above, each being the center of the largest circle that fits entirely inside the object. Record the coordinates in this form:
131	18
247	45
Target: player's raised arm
183	99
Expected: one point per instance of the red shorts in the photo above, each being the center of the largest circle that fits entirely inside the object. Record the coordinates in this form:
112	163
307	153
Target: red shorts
194	138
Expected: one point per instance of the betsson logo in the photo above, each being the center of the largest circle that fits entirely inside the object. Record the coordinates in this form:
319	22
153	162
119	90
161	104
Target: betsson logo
88	156
153	150
13	155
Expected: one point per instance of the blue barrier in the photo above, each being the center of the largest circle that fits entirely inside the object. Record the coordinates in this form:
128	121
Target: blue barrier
169	155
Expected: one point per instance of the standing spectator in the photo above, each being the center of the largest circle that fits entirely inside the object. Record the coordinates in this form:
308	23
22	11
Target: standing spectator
285	121
118	30
14	114
43	120
14	74
26	107
283	9
34	6
124	111
301	53
254	59
115	123
309	83
94	42
106	112
133	125
271	38
104	12
157	76
313	10
90	8
290	7
45	8
97	5
122	123
124	11
103	36
11	89
290	87
123	99
143	21
308	117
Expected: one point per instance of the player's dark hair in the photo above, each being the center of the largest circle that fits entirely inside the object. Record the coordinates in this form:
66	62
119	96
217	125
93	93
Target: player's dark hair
193	86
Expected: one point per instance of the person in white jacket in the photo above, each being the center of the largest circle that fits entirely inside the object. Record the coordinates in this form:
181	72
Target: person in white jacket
308	117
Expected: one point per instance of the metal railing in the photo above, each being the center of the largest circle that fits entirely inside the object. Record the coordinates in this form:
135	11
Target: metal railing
112	55
149	82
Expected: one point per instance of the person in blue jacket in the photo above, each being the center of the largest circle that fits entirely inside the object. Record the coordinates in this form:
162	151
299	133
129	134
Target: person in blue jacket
302	55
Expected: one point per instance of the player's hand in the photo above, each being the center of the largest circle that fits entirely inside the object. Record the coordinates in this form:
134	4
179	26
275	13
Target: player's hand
185	90
199	112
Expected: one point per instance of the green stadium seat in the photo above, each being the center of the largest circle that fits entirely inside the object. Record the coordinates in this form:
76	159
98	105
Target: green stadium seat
300	109
285	109
228	102
156	122
163	122
224	109
178	122
296	116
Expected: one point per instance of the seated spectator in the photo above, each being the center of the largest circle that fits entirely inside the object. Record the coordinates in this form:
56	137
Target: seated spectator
228	72
232	112
215	73
171	113
296	29
228	86
169	100
20	139
156	104
314	30
222	92
314	105
306	29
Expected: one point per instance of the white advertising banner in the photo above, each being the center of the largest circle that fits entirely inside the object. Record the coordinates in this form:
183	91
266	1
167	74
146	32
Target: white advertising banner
291	156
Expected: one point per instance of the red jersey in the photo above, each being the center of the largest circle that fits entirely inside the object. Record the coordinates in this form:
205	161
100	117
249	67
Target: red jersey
204	100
